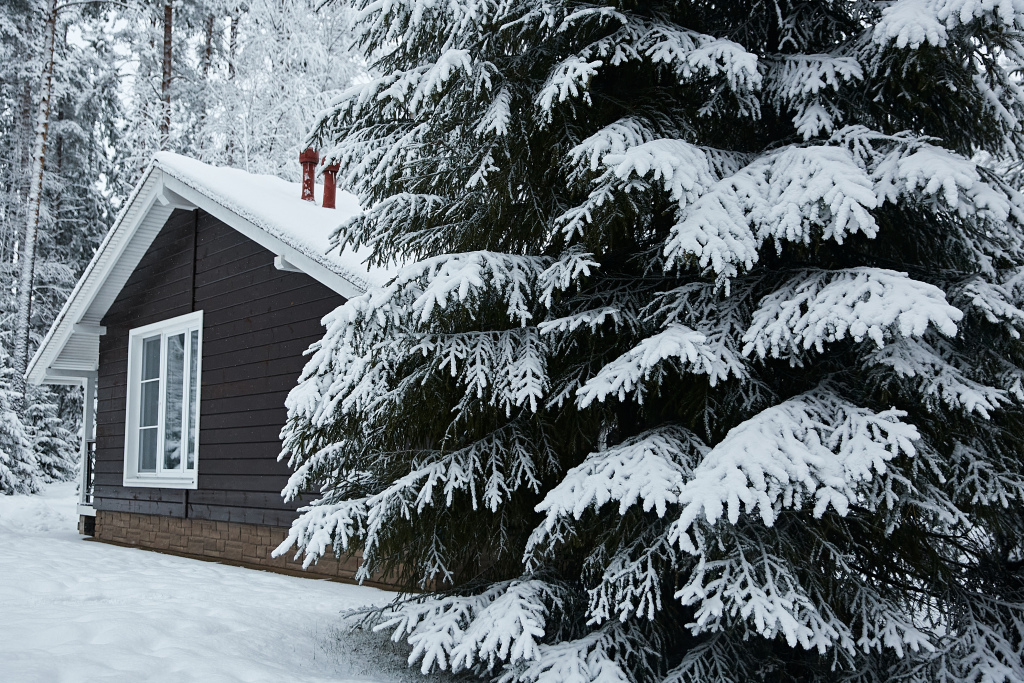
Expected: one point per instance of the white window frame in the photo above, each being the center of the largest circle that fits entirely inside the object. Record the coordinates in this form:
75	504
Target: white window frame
175	479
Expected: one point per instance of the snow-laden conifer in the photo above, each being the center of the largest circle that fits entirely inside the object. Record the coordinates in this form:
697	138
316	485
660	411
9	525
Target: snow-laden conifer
702	358
54	446
19	467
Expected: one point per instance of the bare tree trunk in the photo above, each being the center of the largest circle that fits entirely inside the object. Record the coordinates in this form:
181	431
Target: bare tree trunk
232	44
208	49
165	82
27	260
232	50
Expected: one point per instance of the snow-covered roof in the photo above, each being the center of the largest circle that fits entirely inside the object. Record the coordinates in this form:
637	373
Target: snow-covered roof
275	206
265	209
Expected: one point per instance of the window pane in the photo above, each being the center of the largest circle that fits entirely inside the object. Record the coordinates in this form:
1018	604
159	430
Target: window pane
193	385
147	449
174	400
151	358
150	409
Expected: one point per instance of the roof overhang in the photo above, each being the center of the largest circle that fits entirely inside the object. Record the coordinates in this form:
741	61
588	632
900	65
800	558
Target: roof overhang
69	353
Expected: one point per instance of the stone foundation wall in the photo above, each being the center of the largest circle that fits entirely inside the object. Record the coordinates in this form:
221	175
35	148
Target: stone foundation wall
234	542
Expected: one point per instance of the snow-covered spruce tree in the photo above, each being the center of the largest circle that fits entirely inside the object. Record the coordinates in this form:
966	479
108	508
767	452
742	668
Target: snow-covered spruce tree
53	445
19	469
703	361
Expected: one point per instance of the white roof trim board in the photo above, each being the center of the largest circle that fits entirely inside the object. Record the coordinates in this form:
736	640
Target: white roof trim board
265	209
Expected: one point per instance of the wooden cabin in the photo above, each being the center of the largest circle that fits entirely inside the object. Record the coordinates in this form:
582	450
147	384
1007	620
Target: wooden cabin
186	332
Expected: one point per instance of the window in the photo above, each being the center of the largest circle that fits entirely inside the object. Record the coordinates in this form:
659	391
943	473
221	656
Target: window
161	445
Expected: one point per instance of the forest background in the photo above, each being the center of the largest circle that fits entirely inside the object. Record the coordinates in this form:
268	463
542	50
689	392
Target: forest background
89	90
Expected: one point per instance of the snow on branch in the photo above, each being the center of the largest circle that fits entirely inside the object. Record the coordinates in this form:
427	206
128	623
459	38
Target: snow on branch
568	80
592	319
884	625
913	23
785	196
828	306
994	302
816	186
688	54
350	369
616	138
800	82
342	374
799	193
488	470
393	215
570	267
815	447
989	642
322	526
762	589
796	76
715	231
597	657
434	625
688	350
406	91
496	119
459	276
682	169
394	22
507	630
504	624
509	367
632	582
920	169
648	469
936	378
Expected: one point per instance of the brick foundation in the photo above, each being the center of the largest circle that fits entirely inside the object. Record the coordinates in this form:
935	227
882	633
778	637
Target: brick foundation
232	542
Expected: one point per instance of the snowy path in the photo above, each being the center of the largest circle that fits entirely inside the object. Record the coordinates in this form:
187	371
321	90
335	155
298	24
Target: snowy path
73	610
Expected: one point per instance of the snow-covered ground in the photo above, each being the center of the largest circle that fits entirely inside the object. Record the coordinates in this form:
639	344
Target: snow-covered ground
73	610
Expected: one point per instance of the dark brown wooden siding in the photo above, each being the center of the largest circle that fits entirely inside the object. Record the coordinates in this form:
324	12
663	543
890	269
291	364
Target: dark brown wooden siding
257	321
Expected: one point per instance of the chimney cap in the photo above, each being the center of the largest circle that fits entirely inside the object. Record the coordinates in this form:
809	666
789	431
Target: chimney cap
332	168
309	156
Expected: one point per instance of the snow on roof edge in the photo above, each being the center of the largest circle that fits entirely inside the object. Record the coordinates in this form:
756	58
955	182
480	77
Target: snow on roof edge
264	201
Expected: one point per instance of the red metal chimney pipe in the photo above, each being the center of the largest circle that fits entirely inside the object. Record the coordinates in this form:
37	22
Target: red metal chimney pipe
309	158
330	185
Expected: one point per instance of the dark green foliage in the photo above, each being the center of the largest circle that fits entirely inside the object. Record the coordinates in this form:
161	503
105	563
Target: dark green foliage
701	360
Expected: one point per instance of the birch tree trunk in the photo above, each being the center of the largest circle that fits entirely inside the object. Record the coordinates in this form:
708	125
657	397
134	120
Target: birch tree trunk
27	257
165	82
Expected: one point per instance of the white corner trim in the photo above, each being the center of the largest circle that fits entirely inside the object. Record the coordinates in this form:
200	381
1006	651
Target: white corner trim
182	478
282	263
86	510
141	482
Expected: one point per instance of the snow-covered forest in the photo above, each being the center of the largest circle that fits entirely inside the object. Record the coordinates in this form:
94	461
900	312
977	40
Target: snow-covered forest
88	92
